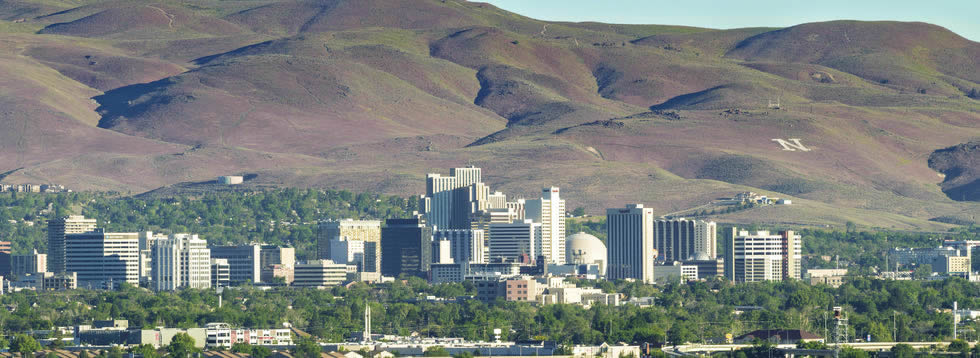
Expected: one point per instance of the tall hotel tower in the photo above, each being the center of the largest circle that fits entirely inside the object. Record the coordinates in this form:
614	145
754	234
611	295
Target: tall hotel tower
629	233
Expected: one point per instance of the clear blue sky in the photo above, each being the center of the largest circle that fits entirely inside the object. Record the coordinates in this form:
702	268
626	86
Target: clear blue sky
960	16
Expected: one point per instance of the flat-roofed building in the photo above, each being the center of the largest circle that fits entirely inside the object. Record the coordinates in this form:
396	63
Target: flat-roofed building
319	273
57	229
629	241
244	262
513	240
102	259
366	231
28	264
181	261
762	256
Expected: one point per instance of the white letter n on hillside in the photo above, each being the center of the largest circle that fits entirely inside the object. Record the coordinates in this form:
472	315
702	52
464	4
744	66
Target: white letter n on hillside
792	145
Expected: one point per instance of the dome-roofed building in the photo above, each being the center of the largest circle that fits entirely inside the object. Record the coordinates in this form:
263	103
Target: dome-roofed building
583	248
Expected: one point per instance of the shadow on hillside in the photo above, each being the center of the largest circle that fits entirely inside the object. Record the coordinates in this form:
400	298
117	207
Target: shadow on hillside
130	101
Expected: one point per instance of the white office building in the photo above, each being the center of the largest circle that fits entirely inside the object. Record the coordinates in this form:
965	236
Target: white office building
549	211
180	261
762	256
102	259
629	241
511	241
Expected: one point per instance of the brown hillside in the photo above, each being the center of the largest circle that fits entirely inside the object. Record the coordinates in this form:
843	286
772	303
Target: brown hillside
370	95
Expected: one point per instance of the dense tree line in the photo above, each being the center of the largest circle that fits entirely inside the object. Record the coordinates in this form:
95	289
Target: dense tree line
693	312
277	217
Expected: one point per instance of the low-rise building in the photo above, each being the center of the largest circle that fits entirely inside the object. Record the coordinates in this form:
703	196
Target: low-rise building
319	273
830	277
674	271
222	335
28	264
462	271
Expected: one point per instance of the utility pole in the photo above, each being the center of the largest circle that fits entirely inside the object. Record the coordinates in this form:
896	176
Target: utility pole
955	316
894	331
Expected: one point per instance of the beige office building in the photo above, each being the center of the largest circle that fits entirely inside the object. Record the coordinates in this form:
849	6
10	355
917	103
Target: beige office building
368	231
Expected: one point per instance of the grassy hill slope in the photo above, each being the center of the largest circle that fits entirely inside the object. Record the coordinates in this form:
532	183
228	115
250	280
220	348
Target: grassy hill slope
372	94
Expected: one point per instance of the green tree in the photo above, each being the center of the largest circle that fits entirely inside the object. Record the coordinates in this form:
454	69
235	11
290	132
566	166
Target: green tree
145	350
181	346
923	271
261	352
241	348
960	346
436	351
850	352
463	354
115	352
24	344
307	348
580	211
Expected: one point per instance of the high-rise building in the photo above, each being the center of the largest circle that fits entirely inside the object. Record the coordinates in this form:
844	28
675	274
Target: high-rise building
277	262
181	261
220	273
346	251
681	239
762	256
244	263
5	258
28	264
465	245
57	229
102	259
319	273
629	241
549	210
443	205
442	252
367	231
406	247
512	241
147	239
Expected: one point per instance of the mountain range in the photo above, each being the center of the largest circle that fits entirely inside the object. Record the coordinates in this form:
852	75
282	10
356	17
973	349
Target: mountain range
871	122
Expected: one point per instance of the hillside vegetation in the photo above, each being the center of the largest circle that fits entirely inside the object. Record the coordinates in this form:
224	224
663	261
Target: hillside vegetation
370	95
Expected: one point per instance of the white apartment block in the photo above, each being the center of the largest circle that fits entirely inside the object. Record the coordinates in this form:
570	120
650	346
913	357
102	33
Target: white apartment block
629	241
180	261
